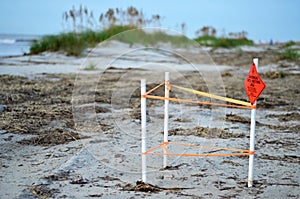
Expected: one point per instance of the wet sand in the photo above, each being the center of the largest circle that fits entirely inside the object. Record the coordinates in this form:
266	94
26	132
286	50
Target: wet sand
77	135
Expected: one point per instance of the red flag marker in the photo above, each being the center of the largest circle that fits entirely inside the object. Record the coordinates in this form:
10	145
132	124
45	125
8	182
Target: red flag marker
253	84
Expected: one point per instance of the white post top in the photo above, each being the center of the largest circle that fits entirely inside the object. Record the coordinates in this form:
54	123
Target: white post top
255	60
143	82
167	76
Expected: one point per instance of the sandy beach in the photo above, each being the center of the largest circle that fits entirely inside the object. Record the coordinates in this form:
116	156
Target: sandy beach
70	126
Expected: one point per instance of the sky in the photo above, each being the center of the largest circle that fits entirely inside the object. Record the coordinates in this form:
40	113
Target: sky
278	20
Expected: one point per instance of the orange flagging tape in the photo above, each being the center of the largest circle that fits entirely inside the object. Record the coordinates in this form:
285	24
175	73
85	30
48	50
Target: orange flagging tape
197	102
243	105
156	87
227	99
166	152
211	147
201	155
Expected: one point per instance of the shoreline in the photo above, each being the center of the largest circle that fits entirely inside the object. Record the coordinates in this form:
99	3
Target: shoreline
104	57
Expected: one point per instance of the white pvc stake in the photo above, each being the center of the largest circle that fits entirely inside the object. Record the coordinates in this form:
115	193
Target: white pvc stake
143	126
166	118
252	138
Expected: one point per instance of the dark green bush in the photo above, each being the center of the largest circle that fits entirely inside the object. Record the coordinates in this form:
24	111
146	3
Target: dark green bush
216	42
289	54
74	43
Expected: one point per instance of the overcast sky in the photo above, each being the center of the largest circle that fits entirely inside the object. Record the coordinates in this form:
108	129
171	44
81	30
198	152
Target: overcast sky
262	19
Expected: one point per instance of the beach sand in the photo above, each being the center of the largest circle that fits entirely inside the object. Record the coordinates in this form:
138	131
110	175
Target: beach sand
73	133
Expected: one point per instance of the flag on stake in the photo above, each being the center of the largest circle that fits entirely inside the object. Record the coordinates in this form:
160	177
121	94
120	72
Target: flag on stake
253	84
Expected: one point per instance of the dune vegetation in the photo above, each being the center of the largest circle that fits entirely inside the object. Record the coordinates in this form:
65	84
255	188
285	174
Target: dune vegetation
83	31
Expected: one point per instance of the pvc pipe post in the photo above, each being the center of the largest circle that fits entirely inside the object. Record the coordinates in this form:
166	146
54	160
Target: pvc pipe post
166	114
143	127
252	138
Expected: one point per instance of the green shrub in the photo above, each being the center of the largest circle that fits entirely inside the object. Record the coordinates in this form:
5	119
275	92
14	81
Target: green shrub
289	54
151	39
74	43
289	44
90	66
216	42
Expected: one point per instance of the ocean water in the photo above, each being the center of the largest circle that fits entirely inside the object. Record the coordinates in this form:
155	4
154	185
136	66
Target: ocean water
15	44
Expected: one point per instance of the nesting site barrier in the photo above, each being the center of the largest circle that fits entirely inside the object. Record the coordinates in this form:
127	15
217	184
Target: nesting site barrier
164	146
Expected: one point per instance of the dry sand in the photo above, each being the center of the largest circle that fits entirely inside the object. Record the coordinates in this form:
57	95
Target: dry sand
68	135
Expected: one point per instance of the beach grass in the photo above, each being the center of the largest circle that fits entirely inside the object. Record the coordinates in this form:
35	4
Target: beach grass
139	36
289	44
90	67
290	54
73	43
217	42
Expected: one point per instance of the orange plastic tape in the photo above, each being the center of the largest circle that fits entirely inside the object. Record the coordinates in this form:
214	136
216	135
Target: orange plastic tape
202	155
197	102
211	147
245	105
213	96
153	89
241	152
